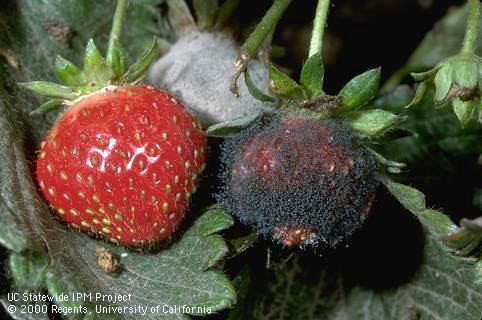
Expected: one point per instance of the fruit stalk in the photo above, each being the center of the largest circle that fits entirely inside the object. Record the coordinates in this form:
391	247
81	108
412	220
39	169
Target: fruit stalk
116	25
470	39
267	24
256	38
319	24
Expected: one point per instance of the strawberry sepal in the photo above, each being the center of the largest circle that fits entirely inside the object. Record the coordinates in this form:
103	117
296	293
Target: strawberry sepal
137	70
48	106
50	89
67	72
98	73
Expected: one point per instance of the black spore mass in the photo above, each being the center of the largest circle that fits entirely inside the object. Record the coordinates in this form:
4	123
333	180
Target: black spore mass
298	181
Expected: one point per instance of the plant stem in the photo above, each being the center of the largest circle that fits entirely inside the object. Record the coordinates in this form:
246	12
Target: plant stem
117	23
319	27
470	39
256	38
264	27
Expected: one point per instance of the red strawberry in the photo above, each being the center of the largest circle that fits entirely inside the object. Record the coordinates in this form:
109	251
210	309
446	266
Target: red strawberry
123	163
123	160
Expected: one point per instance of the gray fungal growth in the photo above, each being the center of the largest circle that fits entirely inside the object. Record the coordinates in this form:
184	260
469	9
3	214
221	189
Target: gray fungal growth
198	69
298	182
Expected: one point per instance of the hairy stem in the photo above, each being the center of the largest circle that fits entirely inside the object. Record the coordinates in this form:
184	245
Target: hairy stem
470	39
117	23
256	38
265	26
319	24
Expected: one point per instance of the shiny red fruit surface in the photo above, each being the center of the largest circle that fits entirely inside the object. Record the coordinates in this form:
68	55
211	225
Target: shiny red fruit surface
123	163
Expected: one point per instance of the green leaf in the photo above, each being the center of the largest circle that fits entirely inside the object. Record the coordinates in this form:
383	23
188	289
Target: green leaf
464	239
67	72
413	200
96	70
437	222
312	74
374	122
18	198
141	24
254	90
242	283
228	128
137	70
206	11
117	59
283	86
50	89
27	269
58	288
360	90
179	275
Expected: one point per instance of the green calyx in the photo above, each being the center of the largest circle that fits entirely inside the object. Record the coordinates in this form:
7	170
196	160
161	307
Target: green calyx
306	98
457	77
455	81
98	73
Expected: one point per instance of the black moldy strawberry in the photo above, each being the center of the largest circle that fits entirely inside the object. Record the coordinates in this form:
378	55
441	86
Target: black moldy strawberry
298	181
303	174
